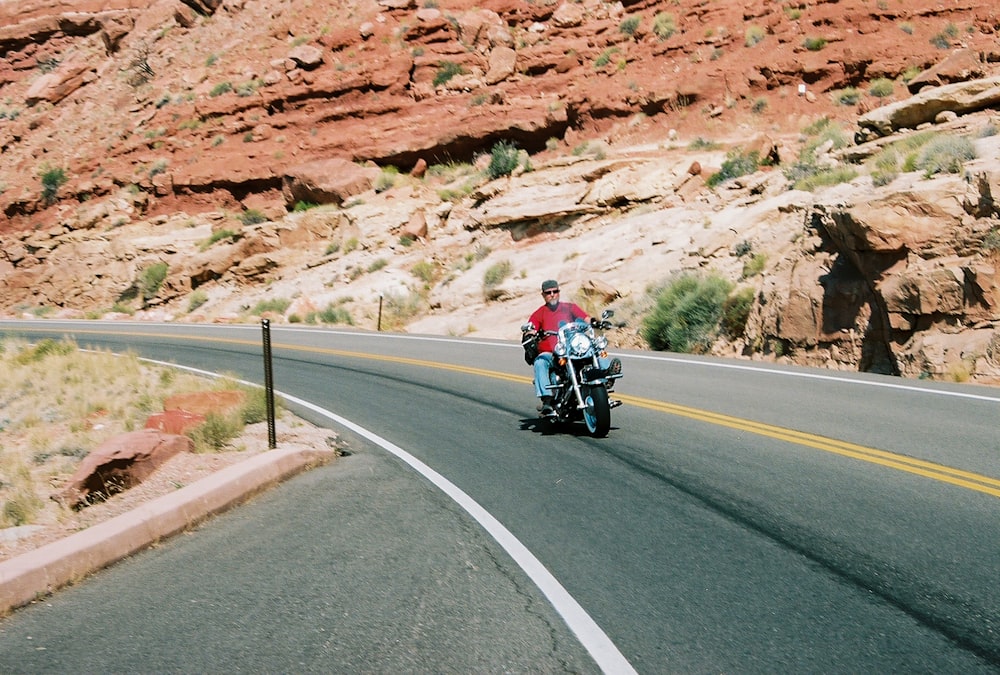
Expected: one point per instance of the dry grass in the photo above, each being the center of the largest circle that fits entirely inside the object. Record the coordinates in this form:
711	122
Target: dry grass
58	403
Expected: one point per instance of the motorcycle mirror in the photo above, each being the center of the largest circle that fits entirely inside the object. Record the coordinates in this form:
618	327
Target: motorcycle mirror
607	314
528	327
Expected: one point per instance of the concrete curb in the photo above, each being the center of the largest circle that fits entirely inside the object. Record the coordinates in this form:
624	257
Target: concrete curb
46	569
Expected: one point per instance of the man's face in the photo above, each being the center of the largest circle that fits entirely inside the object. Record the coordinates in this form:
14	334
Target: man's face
551	296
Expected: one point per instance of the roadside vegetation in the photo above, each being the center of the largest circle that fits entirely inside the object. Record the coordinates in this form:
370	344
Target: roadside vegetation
59	403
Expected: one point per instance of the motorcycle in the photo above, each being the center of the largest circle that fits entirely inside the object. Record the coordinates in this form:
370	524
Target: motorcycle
579	385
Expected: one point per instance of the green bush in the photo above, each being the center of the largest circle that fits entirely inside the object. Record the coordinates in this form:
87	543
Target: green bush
386	179
496	274
735	312
664	25
215	432
52	179
755	265
252	217
333	314
275	305
736	164
198	298
446	71
151	278
504	158
814	44
629	25
216	236
881	87
945	154
687	313
826	177
220	89
847	96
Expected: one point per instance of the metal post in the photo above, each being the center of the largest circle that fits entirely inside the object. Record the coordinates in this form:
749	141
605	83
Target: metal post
380	312
272	442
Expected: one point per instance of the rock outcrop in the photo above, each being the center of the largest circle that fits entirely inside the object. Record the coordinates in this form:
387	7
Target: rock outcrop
185	160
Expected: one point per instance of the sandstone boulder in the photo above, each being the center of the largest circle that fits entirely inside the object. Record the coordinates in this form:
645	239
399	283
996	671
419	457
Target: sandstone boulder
327	181
961	98
120	463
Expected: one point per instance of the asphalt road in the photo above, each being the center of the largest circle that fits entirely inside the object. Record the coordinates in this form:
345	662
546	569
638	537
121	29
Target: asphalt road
739	517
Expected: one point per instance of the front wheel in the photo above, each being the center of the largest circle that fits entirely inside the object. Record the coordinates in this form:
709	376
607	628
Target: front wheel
597	411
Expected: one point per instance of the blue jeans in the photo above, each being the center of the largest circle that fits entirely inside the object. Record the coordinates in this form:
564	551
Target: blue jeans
542	365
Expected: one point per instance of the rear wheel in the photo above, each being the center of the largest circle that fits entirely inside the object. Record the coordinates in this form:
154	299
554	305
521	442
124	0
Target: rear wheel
597	411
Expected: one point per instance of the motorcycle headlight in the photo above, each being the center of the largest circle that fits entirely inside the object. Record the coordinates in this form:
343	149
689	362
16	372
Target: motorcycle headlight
579	345
600	343
560	349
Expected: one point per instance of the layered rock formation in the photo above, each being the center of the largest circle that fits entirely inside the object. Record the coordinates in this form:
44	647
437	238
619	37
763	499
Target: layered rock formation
196	139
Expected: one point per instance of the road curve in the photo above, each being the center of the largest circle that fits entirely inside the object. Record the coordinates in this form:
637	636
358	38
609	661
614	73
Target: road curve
739	517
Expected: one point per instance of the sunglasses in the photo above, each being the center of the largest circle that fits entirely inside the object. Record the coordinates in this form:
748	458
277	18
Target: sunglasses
555	292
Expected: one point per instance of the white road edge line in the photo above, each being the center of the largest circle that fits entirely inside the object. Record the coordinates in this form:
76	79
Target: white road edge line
591	636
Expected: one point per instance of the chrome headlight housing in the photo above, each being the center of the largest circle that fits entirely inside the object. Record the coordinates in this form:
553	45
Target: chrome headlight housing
560	349
579	345
600	343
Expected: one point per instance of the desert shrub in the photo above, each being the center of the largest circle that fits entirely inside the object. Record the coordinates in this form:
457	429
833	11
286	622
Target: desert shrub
495	275
504	158
687	313
735	312
275	305
398	308
216	236
847	96
604	58
945	154
333	314
814	44
664	25
254	408
755	265
248	88
43	349
378	264
215	432
447	70
629	25
252	217
151	279
21	506
386	179
881	87
991	242
52	179
301	206
220	89
758	106
700	143
826	177
425	270
736	164
754	35
197	299
884	167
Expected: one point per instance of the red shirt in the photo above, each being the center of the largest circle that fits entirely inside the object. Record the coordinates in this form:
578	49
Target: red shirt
546	318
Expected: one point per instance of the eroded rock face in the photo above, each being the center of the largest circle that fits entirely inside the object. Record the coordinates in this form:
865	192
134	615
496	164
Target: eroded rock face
174	154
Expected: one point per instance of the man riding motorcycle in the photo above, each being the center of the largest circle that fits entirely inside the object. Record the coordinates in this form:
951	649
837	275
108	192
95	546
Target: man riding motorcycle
546	319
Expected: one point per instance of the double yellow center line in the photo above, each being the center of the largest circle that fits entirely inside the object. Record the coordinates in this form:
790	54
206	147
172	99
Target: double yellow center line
919	467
